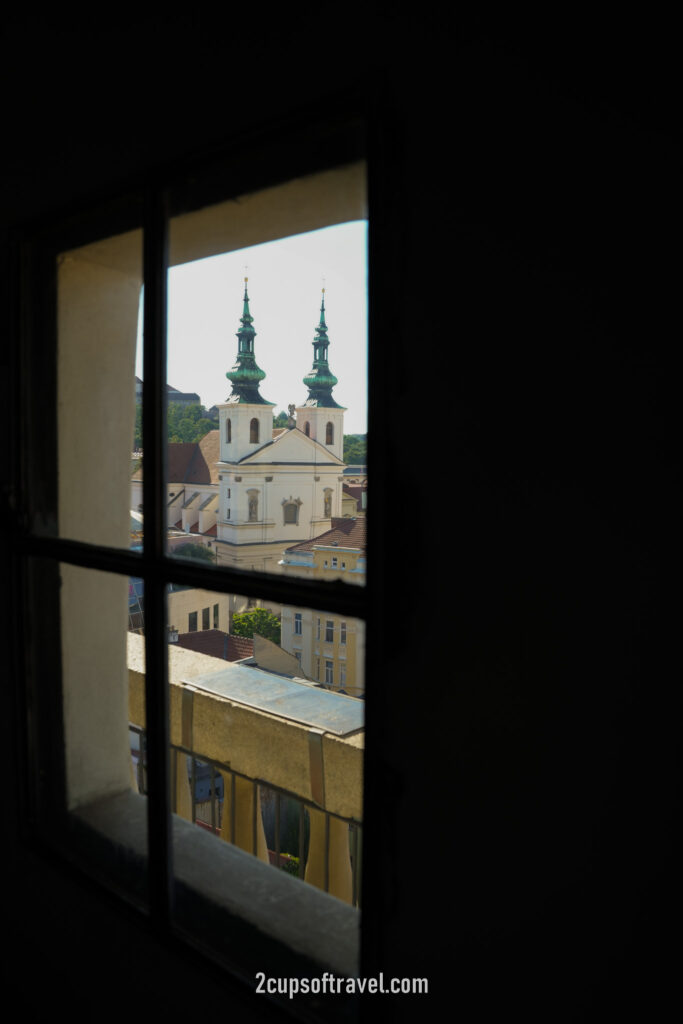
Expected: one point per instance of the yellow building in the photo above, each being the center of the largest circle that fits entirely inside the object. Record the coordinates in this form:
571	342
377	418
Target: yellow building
330	648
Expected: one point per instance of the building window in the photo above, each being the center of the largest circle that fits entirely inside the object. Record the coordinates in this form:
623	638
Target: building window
298	624
307	429
329	673
254	431
153	564
290	510
329	631
215	616
329	433
317	632
342	674
342	633
228	431
334	562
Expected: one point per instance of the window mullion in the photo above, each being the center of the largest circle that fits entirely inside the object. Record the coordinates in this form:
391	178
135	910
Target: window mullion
154	447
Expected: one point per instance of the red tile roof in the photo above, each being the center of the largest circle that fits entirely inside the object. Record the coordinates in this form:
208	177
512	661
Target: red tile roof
192	462
217	644
345	533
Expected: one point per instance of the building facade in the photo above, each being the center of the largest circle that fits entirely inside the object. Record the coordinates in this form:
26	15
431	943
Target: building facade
329	648
276	488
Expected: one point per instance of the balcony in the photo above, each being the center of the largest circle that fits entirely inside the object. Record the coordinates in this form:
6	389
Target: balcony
269	765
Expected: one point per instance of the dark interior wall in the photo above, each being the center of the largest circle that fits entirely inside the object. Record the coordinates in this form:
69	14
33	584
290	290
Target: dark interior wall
523	793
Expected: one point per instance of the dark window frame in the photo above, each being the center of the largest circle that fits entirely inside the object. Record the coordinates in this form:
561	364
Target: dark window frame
148	207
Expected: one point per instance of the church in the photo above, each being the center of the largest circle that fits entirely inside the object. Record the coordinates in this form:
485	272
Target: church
276	488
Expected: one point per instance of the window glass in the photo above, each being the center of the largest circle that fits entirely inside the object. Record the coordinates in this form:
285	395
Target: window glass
266	380
99	397
246	713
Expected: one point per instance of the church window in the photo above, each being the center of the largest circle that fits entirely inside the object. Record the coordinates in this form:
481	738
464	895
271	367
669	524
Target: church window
290	510
254	431
329	433
228	431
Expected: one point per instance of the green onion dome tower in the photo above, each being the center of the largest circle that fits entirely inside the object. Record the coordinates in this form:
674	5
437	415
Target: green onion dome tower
321	417
245	418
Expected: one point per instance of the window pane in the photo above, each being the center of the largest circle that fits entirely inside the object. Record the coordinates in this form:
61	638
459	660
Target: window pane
103	709
98	307
266	380
263	757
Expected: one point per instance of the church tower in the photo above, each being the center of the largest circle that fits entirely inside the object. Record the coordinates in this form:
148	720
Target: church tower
321	417
245	418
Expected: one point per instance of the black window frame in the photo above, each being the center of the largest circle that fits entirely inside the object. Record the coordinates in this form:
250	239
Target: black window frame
149	206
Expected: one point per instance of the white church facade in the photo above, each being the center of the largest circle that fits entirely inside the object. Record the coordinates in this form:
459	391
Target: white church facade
282	488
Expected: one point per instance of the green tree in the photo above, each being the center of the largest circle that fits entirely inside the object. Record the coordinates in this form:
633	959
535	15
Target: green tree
280	420
195	552
258	620
355	449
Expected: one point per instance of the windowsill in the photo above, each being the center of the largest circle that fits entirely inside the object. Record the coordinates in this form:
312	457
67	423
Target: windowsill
258	918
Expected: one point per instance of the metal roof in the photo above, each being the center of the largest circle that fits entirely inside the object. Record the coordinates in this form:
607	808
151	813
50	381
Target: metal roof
298	702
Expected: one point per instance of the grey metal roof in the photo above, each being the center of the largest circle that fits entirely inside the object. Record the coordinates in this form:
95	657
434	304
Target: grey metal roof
321	709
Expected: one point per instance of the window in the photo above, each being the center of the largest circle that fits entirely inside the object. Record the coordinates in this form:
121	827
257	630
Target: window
342	674
228	432
298	623
290	510
307	429
317	630
329	631
342	633
215	616
329	433
334	562
105	532
329	673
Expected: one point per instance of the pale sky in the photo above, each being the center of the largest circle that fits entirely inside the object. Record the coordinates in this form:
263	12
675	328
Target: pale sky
285	282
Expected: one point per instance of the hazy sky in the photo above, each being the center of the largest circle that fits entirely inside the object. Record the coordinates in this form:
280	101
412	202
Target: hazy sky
285	282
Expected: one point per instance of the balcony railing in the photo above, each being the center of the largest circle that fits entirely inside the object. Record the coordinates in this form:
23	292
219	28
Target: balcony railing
285	790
